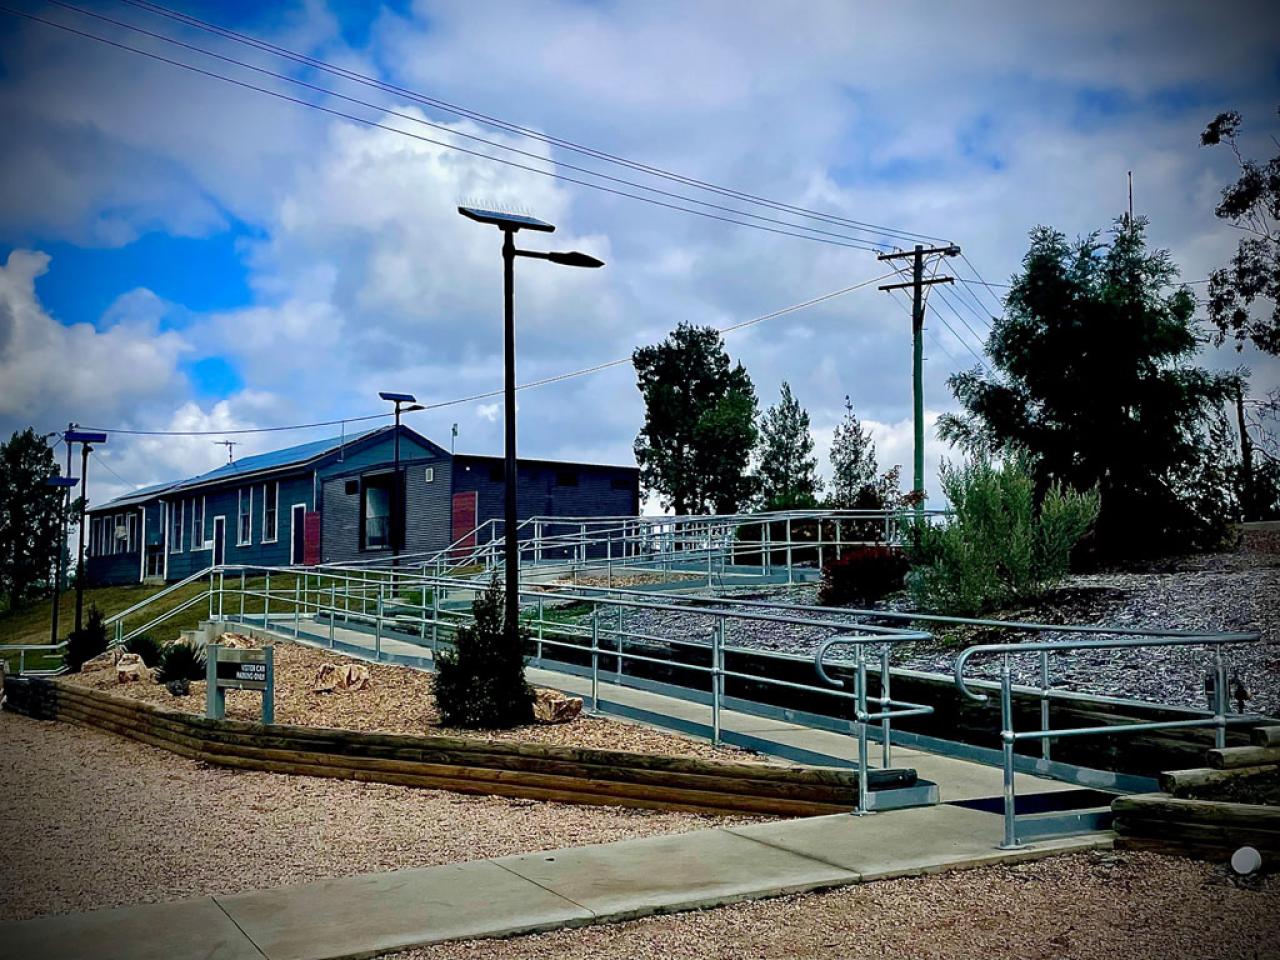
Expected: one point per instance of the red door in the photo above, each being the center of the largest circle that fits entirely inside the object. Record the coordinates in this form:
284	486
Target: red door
311	538
464	522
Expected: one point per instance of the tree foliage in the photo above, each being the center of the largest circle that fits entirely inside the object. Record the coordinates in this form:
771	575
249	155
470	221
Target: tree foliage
31	515
699	427
1093	377
481	685
998	546
853	461
788	471
1252	205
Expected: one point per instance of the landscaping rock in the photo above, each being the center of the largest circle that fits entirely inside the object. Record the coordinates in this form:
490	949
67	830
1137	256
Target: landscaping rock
236	641
349	676
180	687
103	661
130	669
550	706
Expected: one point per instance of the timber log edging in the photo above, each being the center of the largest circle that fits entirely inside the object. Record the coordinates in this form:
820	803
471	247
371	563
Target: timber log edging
1178	819
474	766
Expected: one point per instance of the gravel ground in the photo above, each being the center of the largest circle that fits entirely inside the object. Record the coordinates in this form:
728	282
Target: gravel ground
1106	906
1230	591
98	821
399	700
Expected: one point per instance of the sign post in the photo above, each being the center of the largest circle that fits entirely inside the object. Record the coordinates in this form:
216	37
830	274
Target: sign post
231	669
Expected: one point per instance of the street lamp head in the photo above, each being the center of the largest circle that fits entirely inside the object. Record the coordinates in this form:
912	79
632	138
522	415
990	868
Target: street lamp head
574	259
84	436
505	221
414	406
397	397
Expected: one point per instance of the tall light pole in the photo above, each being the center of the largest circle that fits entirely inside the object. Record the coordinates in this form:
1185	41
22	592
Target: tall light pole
510	224
397	502
86	439
65	484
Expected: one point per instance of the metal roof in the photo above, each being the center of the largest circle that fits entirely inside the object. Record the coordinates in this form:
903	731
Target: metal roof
258	463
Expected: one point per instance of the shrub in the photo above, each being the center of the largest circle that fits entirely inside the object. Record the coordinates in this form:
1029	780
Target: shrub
147	647
481	685
87	642
862	575
998	547
180	661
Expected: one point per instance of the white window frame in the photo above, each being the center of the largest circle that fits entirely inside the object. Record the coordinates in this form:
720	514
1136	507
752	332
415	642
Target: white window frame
275	526
131	532
179	509
429	476
241	514
293	535
198	541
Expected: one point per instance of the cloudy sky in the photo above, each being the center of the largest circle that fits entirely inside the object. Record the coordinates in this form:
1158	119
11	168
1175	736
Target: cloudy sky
181	253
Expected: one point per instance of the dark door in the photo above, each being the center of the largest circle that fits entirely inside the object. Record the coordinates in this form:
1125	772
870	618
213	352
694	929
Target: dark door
219	541
464	522
298	531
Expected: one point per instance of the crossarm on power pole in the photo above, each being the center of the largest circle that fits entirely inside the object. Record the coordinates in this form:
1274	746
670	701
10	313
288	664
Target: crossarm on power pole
910	284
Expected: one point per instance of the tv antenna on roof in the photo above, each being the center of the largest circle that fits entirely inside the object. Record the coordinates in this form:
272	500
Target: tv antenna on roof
229	444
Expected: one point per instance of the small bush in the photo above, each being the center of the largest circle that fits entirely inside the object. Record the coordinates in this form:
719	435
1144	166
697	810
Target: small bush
481	686
998	547
862	575
87	642
180	661
147	647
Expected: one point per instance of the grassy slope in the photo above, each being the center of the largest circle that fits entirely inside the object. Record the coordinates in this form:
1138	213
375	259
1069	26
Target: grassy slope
29	624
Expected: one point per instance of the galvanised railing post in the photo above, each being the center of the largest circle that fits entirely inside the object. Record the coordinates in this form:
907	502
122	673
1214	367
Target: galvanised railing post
266	602
539	643
377	627
435	622
1044	702
333	611
819	524
1219	699
861	713
243	587
1007	745
717	653
595	658
886	732
297	607
618	641
788	532
211	592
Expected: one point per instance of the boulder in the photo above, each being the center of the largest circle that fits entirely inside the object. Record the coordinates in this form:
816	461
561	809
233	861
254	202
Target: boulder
130	668
180	687
236	641
349	676
103	661
550	706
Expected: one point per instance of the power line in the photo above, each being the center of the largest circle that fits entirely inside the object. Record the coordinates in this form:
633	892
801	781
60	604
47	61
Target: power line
460	111
106	466
870	246
557	378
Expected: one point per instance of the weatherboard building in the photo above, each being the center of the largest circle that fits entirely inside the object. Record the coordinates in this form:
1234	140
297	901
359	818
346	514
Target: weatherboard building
331	501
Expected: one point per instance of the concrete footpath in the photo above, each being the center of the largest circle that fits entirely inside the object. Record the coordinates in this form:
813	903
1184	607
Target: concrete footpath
377	913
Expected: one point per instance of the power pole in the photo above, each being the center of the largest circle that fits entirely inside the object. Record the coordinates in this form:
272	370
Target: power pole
917	285
1246	457
230	445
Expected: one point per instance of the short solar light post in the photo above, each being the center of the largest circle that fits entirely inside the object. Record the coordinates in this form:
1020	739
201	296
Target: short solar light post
405	403
86	439
65	484
510	224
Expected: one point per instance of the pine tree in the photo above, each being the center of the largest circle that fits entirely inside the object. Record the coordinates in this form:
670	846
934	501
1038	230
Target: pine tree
788	471
481	686
853	460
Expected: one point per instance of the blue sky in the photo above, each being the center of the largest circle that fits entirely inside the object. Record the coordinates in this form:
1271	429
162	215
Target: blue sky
213	259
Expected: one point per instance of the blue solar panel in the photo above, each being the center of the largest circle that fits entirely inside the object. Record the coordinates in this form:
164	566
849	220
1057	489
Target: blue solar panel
498	218
262	461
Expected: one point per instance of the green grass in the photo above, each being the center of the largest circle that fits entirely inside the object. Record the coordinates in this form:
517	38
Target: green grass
29	624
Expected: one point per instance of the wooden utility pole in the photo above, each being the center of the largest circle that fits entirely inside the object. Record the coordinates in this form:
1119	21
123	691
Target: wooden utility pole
1246	457
917	285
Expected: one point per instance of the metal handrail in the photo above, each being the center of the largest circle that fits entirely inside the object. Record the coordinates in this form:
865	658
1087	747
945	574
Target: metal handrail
1010	737
146	601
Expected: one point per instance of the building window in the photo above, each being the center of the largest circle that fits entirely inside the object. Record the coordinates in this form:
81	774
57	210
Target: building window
270	511
376	512
197	524
430	475
131	533
351	488
177	512
566	478
244	529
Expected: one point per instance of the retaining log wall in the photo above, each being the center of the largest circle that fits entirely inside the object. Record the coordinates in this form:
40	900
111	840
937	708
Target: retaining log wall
475	766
